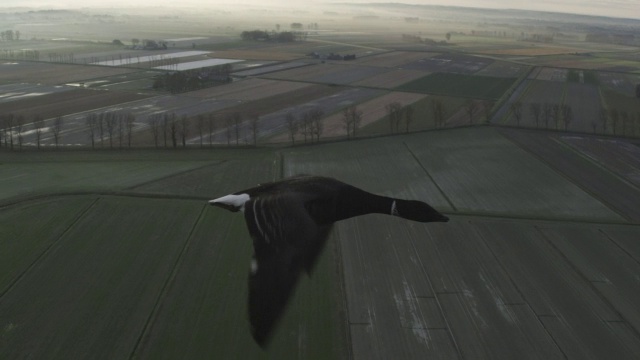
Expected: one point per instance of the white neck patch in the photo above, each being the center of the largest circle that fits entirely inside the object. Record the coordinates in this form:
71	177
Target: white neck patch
236	201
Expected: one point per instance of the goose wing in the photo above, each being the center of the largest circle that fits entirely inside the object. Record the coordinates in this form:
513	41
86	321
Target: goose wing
286	240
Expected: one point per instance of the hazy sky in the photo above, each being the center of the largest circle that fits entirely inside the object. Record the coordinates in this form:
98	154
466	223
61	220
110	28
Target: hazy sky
614	8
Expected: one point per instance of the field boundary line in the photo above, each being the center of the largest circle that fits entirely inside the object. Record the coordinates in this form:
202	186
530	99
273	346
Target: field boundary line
514	283
557	219
590	283
48	249
593	161
163	292
169	176
430	177
558	171
342	286
5	204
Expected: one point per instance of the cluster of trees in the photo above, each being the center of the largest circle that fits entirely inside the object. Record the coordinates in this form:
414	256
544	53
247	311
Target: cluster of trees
171	130
10	35
396	113
428	41
110	125
181	81
554	115
13	128
309	125
284	36
351	118
622	38
547	113
24	54
620	122
472	108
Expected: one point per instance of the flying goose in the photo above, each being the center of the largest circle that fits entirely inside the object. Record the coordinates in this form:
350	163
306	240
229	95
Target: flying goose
289	221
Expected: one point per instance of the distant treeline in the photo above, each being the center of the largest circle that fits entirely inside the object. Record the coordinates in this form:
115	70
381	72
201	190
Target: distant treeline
181	81
284	36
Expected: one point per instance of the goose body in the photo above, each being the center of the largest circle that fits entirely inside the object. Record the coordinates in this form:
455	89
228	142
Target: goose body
289	221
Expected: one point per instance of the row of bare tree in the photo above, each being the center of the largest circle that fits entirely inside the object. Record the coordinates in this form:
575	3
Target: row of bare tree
309	125
618	122
13	128
110	126
545	113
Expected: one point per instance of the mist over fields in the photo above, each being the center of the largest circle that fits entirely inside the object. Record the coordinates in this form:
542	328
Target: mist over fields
118	122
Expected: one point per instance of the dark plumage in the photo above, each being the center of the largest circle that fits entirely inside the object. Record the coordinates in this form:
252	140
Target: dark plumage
289	221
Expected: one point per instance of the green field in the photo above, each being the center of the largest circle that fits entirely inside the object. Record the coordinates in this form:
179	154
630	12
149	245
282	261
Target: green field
459	85
135	264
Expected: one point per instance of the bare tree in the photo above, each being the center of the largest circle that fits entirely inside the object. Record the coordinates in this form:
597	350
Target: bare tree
166	124
155	121
516	110
394	113
38	125
487	106
183	129
120	119
237	121
604	117
130	120
567	116
547	112
9	123
57	127
101	126
356	116
173	129
212	127
305	125
92	127
624	119
470	108
228	124
555	110
437	107
346	118
315	116
254	122
292	126
408	116
615	116
536	111
110	123
18	129
3	130
200	126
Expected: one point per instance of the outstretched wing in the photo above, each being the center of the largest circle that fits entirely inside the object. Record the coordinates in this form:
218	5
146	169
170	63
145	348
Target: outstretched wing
285	240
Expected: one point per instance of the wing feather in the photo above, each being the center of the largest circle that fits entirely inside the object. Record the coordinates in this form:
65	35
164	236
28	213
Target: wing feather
286	240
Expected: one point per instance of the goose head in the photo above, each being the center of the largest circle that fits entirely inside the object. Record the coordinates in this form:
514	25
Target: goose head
418	211
233	202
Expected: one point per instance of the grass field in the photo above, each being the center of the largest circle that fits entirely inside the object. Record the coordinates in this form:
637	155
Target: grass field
118	255
459	85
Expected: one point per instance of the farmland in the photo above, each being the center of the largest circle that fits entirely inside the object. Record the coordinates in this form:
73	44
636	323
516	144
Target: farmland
483	87
160	274
108	248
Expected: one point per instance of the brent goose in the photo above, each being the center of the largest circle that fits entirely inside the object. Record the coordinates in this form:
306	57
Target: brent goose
289	221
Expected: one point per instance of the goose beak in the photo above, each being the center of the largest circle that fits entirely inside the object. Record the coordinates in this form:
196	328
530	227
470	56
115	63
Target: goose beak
217	203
